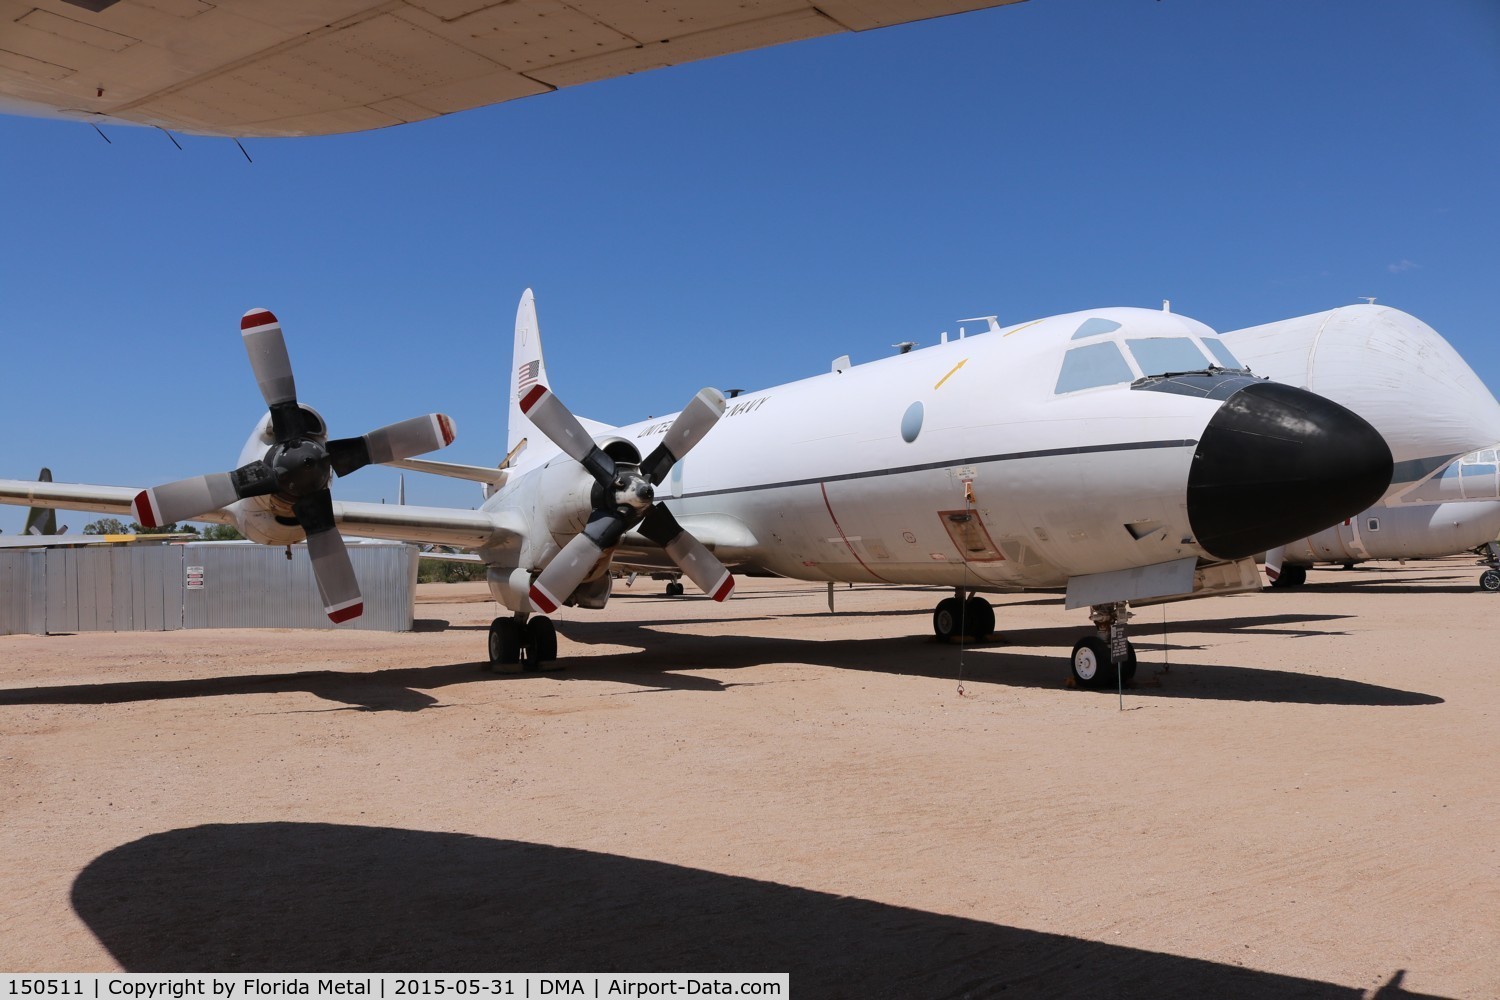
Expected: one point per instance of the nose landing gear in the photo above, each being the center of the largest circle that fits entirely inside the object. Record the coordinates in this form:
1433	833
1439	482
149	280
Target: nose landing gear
1107	659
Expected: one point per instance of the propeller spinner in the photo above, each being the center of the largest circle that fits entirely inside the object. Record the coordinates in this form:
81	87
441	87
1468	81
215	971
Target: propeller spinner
297	468
625	498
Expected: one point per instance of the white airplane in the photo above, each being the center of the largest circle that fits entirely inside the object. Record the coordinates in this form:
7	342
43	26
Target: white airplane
1440	420
1120	453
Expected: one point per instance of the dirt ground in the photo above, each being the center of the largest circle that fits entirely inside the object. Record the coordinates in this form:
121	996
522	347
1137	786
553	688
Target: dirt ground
1298	799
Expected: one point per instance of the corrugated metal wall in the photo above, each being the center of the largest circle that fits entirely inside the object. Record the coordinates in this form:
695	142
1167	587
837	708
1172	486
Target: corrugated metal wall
124	588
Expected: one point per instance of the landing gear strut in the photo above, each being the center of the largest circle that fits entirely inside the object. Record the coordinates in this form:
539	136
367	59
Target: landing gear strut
963	616
524	642
1106	659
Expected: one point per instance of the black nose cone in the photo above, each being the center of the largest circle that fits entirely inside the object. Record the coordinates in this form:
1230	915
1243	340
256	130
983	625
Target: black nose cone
1276	464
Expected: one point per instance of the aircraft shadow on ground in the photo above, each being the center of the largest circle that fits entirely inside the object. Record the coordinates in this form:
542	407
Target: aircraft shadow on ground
657	660
294	897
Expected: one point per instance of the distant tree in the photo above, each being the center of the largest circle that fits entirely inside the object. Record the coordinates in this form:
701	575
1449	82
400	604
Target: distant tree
220	533
166	529
443	571
107	526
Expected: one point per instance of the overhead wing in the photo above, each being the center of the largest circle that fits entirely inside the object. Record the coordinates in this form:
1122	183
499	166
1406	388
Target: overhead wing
435	525
489	475
318	67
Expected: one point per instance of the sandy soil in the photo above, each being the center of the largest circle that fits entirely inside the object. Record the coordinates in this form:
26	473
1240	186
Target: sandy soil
1304	804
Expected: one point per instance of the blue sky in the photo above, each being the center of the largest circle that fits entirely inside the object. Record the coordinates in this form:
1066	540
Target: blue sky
742	221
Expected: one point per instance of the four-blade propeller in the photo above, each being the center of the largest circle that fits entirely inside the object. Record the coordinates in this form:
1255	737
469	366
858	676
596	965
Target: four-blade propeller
297	468
624	498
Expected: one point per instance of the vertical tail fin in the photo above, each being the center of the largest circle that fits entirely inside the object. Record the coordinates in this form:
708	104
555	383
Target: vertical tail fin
41	520
527	369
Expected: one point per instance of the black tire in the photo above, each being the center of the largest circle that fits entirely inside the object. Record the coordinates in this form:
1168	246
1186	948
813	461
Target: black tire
674	589
979	618
1490	580
1291	576
505	642
947	619
1093	668
541	641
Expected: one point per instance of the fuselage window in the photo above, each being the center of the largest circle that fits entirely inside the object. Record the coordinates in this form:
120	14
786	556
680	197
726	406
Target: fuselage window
1092	365
1159	355
1221	353
1374	524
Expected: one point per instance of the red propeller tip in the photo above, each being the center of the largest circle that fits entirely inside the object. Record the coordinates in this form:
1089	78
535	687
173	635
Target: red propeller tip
532	397
445	425
725	589
256	318
541	600
144	511
340	615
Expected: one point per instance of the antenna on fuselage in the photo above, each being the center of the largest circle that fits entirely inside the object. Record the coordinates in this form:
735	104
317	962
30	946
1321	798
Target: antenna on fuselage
906	345
992	321
1166	305
1370	299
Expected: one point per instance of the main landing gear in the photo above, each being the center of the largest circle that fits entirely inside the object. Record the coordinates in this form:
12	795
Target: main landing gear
523	642
1095	663
1490	578
963	616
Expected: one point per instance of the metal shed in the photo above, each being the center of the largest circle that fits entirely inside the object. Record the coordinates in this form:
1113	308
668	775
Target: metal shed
152	587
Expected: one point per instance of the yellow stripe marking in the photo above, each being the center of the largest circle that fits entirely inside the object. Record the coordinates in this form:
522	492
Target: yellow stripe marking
1024	326
950	373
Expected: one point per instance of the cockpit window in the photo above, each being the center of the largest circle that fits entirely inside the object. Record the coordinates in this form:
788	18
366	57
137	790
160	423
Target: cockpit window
1092	365
1095	326
1159	355
1221	353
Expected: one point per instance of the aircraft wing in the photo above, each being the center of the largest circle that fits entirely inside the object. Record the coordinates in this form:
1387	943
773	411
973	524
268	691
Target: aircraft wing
319	67
435	525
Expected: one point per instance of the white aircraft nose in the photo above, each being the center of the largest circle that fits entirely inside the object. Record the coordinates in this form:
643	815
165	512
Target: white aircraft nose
1276	464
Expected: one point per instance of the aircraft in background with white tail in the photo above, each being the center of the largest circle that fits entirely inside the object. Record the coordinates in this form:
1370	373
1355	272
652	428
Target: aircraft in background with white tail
1442	424
1123	454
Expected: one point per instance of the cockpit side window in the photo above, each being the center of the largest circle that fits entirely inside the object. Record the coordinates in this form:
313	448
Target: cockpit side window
1221	352
1159	355
1092	365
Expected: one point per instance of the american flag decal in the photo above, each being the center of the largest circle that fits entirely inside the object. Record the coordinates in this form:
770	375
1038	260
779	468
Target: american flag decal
526	376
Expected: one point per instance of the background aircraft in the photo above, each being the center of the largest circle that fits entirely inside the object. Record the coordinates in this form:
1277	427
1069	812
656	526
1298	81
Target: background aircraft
1119	453
1440	420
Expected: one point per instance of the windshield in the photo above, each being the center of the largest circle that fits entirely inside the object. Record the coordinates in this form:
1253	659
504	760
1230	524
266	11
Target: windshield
1159	355
1221	351
1092	365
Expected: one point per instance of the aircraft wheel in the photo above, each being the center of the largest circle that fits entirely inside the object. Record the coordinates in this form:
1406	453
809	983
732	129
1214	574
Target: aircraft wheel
1291	576
541	642
946	619
505	645
674	588
1092	667
980	618
1490	580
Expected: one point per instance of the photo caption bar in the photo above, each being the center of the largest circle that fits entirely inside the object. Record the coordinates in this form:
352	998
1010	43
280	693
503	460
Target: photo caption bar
392	986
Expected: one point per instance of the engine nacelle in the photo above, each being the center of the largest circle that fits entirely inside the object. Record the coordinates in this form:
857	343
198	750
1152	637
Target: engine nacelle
568	491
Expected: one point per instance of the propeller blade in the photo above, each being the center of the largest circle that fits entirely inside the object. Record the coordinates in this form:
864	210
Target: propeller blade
695	420
187	498
267	349
691	556
337	584
555	420
416	436
569	567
